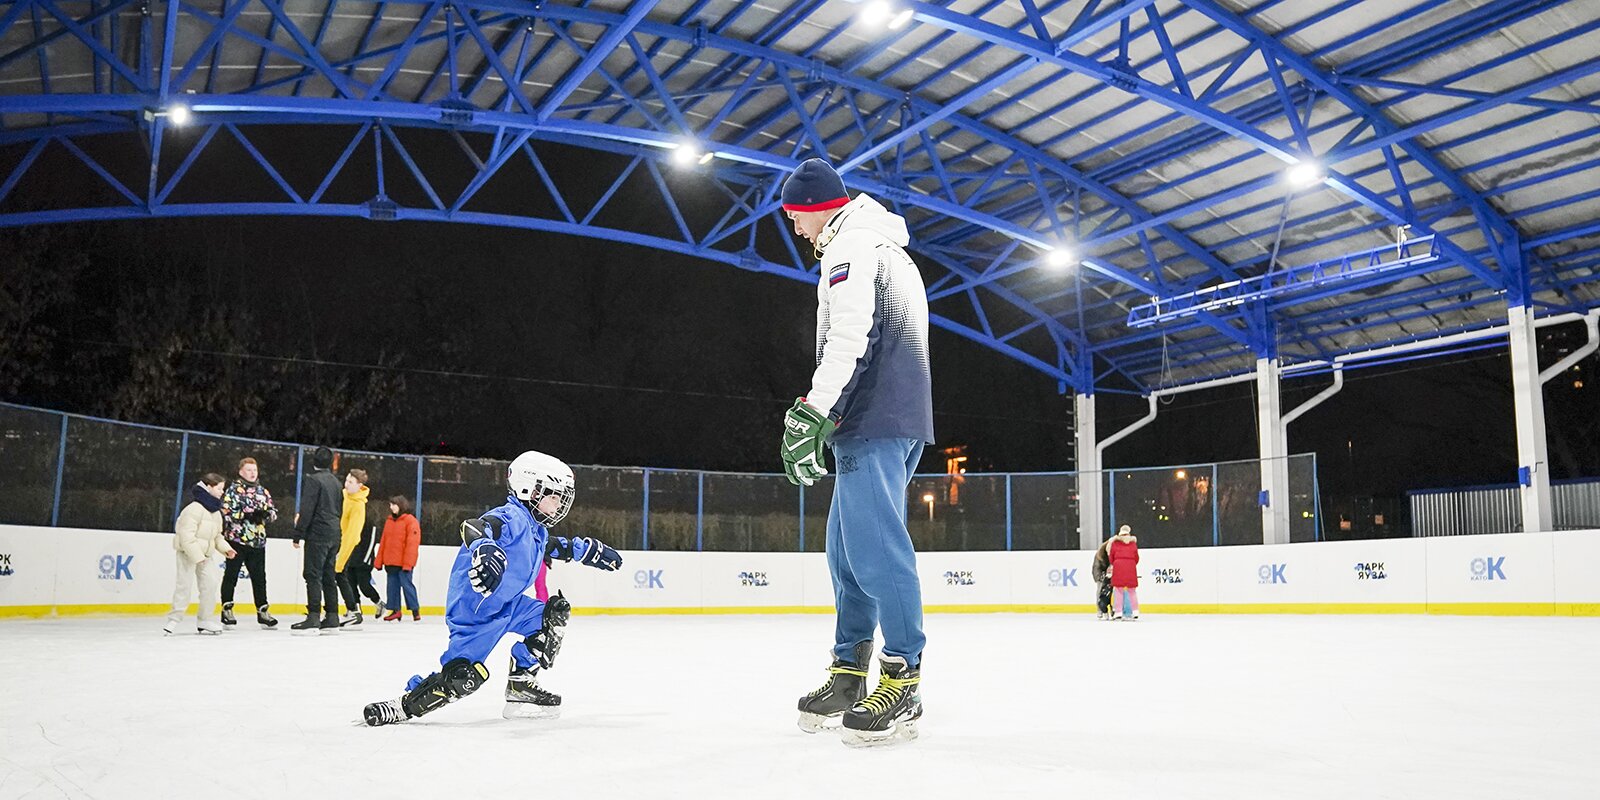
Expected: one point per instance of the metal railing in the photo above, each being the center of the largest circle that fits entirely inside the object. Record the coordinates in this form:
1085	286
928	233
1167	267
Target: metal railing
69	470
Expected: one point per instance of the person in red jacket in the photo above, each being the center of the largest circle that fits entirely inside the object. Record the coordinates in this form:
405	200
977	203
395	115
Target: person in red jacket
1124	551
397	556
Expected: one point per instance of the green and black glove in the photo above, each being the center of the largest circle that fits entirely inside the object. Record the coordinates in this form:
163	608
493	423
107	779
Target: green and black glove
805	429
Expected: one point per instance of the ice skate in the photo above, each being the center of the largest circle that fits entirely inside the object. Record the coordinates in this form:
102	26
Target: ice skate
891	713
227	615
351	621
310	626
526	699
330	623
847	684
377	611
264	618
169	629
387	712
203	631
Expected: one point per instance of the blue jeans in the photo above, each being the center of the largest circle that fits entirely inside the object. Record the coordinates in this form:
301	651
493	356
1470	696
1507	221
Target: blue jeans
400	579
870	556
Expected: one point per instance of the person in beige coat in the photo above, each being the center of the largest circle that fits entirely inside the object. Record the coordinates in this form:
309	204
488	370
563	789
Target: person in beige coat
198	542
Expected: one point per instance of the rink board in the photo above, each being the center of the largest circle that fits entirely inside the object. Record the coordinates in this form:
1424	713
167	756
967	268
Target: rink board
63	571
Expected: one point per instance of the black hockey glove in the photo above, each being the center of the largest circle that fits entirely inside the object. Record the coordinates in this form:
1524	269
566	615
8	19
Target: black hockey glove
488	567
599	555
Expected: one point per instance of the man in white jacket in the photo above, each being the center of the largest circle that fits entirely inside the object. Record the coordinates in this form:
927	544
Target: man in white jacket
871	400
198	542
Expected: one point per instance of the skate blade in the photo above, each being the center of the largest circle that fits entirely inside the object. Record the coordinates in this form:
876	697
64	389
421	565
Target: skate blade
530	711
903	732
309	632
817	723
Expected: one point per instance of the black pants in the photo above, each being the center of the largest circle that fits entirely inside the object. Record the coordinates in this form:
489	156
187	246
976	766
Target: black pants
320	583
356	580
1102	598
253	559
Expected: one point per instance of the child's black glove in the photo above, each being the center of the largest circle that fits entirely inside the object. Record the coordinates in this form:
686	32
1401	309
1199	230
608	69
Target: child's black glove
598	554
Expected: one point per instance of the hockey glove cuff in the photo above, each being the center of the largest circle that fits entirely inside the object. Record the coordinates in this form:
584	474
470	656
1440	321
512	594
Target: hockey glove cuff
596	554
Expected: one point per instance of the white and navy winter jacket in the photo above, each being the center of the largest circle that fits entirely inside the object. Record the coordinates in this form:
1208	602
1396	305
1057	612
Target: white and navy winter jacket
872	374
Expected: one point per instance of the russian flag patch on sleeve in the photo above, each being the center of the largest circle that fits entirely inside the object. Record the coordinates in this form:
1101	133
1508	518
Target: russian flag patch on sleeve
838	274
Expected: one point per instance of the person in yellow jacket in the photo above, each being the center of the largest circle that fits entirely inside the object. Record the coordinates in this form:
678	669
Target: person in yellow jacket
198	540
354	574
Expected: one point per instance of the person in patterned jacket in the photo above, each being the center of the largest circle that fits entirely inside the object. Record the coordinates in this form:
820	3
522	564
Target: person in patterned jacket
246	509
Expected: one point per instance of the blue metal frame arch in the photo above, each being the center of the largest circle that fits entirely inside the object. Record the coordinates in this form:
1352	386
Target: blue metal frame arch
629	83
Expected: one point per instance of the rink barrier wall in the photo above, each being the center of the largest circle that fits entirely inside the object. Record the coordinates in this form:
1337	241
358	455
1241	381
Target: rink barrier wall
65	571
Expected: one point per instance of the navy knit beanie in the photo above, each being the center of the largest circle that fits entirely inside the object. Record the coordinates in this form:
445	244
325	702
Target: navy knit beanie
814	186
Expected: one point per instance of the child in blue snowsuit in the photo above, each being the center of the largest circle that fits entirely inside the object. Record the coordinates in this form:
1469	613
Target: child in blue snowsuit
500	556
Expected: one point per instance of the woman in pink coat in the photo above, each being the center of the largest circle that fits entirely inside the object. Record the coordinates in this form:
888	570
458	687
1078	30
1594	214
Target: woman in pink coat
1124	573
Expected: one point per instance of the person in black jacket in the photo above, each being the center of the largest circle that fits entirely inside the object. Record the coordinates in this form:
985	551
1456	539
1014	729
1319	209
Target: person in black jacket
1102	563
321	500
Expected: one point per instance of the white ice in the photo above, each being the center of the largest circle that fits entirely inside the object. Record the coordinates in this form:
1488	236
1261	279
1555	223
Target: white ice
703	707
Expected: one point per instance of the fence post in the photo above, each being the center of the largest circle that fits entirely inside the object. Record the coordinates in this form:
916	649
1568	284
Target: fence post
183	466
1111	500
1008	512
802	491
417	503
61	465
1316	500
700	514
1215	519
644	525
299	473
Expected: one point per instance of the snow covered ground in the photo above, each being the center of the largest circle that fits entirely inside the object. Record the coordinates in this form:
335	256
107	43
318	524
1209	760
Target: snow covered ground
703	707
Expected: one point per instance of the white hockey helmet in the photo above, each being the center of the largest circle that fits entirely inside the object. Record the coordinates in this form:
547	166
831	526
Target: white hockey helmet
533	475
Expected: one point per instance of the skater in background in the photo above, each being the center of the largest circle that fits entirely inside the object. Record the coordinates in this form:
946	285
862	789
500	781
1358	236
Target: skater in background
501	554
397	556
318	523
1102	580
870	400
199	541
246	509
354	575
1124	552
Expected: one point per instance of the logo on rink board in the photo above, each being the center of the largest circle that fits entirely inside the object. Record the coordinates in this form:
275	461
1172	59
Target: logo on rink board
752	579
1272	573
1063	578
1489	569
958	578
116	568
1371	571
1167	575
648	579
5	565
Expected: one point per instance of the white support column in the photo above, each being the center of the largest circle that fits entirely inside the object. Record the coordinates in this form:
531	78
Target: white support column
1091	510
1532	470
1274	452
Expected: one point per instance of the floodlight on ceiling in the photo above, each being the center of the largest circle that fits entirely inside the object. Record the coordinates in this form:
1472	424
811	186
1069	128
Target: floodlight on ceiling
178	114
900	20
688	153
1059	258
876	13
1304	174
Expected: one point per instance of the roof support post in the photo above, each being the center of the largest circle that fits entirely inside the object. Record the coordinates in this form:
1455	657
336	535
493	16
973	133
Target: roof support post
1533	475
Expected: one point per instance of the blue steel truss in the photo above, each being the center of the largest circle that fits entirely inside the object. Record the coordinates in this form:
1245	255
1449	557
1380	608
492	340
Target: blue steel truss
1146	138
1291	286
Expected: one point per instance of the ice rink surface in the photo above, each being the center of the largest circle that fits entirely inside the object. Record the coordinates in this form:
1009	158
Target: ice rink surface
703	707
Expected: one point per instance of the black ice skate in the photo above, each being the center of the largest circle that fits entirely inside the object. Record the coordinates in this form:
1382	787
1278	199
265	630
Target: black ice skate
330	622
227	615
351	621
891	712
526	699
264	618
310	626
847	684
387	712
